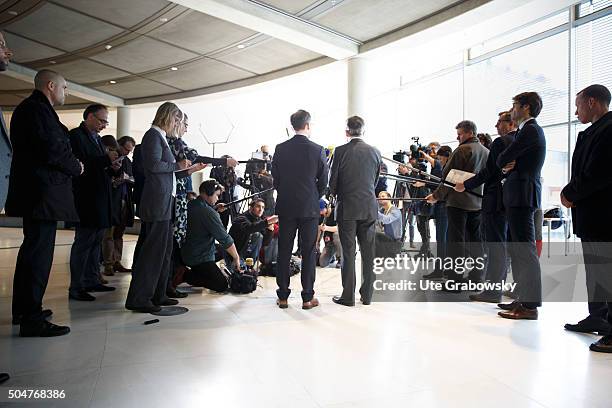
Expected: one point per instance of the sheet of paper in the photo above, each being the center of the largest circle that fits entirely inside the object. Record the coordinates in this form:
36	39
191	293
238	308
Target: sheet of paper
458	176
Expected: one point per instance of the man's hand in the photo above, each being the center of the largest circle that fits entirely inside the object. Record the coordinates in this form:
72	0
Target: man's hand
460	187
273	219
183	164
430	199
403	170
196	168
509	167
112	155
220	207
322	228
565	202
237	266
231	162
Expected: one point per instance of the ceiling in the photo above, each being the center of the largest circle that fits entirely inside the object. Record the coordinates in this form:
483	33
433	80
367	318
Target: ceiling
157	48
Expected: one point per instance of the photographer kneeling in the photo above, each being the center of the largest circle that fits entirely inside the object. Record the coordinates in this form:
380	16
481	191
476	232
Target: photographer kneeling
203	228
251	230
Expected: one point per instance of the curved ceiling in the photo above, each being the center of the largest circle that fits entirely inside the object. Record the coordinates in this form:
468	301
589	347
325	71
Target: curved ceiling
145	50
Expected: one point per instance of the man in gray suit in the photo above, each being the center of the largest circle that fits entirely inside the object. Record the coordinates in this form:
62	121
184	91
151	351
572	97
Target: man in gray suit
150	272
354	175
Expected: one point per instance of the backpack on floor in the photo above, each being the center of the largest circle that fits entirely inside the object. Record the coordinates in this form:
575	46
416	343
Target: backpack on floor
243	282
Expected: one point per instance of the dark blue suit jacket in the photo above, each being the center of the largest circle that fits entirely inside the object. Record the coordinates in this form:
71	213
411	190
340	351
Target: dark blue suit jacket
300	174
523	187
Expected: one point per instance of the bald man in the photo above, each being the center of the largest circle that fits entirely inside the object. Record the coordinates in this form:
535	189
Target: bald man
40	191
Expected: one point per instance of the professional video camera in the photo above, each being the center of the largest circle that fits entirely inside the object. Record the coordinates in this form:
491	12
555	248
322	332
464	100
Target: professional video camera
401	156
416	148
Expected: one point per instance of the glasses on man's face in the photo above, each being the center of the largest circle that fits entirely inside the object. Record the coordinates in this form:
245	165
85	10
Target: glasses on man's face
102	121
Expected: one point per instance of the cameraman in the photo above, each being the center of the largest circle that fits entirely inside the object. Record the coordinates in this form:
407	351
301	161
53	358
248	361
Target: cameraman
421	209
226	176
251	230
331	238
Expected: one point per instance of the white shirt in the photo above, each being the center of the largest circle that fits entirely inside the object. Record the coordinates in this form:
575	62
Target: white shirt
163	134
520	126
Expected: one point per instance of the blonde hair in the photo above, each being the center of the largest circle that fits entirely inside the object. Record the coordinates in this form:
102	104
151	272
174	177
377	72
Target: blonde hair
165	115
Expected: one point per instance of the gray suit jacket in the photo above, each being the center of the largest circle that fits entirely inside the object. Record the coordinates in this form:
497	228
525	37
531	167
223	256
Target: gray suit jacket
353	178
6	154
157	203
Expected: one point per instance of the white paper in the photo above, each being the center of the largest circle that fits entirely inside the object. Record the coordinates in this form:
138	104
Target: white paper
458	176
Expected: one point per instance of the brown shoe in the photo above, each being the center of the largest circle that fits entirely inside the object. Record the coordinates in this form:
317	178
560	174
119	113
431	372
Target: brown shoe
314	302
283	304
108	270
120	268
520	313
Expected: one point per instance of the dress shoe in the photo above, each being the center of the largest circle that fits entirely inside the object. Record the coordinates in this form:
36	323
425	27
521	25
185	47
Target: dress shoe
4	377
144	309
117	267
108	270
81	295
175	294
485	297
314	302
338	300
99	288
590	325
102	280
42	328
603	345
167	302
282	303
520	313
508	306
46	313
365	302
435	275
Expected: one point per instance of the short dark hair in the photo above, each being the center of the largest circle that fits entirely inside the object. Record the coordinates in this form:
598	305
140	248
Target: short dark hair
485	139
388	194
126	139
109	141
468	126
255	201
445	151
300	119
532	99
354	125
505	116
209	187
95	108
598	92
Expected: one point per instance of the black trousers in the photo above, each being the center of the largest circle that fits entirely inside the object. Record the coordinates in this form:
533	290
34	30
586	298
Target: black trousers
386	247
33	267
463	238
524	256
306	228
150	272
598	267
496	235
85	258
422	222
365	232
207	275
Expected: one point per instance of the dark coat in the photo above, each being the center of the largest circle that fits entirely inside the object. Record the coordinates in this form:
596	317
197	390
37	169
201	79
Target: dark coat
92	189
491	176
43	163
118	196
300	174
139	176
523	187
246	224
354	175
590	186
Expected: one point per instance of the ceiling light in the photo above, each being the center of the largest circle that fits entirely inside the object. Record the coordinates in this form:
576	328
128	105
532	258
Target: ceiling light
108	46
173	68
52	62
112	81
163	20
13	12
240	46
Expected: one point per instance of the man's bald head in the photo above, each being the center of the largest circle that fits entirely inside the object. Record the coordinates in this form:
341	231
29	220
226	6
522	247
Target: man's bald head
52	84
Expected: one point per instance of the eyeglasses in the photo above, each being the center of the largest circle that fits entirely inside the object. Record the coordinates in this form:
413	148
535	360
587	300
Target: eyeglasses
102	121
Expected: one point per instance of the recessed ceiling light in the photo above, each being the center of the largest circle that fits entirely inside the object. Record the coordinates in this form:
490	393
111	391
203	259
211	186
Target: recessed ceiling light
240	46
112	81
108	46
163	20
173	68
13	12
52	62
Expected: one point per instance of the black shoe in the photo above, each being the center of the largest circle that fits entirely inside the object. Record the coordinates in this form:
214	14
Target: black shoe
175	294
4	377
99	288
508	306
365	302
42	328
603	345
435	275
167	302
144	309
338	300
590	325
81	295
485	297
46	313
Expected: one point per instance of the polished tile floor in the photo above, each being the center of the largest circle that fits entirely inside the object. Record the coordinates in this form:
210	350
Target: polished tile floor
238	351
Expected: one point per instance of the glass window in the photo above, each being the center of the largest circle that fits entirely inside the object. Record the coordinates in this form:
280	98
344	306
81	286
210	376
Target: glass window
594	53
592	6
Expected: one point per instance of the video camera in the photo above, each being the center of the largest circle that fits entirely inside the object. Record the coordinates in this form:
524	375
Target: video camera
416	148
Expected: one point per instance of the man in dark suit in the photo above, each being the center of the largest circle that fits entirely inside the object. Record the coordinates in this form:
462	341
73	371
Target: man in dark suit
353	179
522	161
589	194
494	218
300	174
150	272
92	196
40	191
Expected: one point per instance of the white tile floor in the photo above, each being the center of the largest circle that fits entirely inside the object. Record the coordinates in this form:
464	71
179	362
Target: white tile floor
236	351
